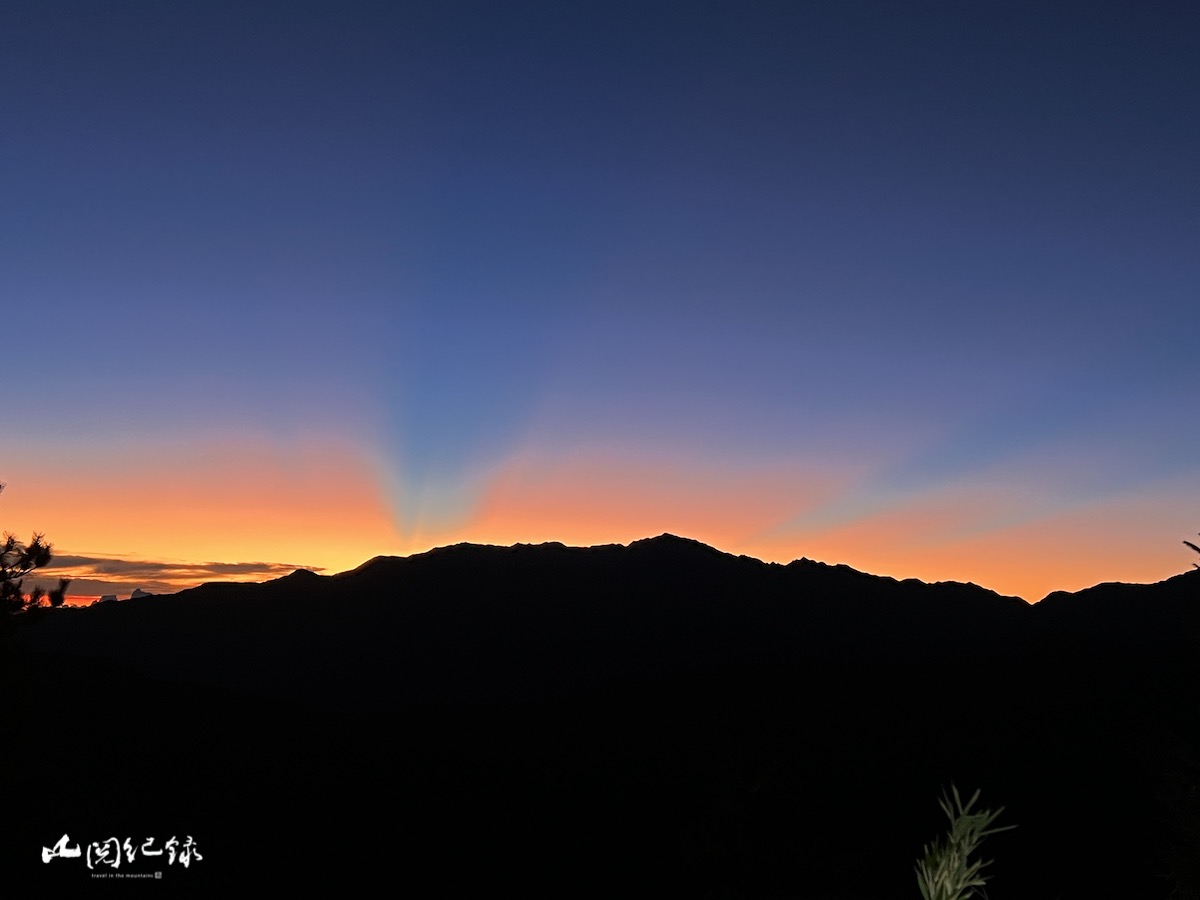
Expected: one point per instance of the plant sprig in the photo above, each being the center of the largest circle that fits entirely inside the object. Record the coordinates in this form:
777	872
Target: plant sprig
947	872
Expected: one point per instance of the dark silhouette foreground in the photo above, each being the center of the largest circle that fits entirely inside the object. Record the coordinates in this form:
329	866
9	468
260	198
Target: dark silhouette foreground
656	720
17	560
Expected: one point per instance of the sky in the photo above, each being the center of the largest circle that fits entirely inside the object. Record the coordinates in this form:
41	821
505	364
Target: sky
906	286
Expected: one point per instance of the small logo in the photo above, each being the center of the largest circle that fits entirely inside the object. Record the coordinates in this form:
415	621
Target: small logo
111	852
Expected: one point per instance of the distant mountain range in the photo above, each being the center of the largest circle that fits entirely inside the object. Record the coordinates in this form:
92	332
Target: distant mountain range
660	718
533	620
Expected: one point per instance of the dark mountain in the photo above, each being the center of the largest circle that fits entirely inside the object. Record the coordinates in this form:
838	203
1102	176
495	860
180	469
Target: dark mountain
659	719
525	622
1127	614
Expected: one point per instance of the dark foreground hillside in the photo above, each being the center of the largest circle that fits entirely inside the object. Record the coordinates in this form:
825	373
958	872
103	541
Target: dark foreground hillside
656	720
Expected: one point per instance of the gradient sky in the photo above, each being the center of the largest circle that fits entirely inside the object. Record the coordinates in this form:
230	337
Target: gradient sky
909	286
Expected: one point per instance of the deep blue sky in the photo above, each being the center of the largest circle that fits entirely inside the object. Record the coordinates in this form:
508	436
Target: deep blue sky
924	253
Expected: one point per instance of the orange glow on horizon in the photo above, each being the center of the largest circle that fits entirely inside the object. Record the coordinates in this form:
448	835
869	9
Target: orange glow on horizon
235	502
966	533
592	500
322	506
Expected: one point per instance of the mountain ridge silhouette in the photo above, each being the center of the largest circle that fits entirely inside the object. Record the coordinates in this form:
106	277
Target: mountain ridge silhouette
577	615
655	719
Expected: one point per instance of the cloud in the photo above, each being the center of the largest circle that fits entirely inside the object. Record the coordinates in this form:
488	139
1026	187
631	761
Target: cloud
93	576
204	497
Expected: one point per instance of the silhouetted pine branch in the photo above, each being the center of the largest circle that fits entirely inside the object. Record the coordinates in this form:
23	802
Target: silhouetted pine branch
1197	549
17	560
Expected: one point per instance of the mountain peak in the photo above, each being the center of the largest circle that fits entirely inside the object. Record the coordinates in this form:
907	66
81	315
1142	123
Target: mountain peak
302	575
666	539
